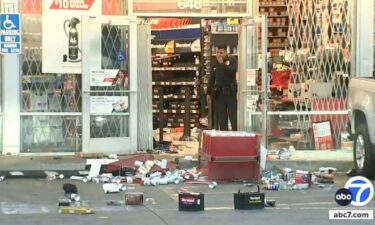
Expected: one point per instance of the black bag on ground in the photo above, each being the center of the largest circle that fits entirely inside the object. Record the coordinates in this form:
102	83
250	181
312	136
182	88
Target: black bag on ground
70	188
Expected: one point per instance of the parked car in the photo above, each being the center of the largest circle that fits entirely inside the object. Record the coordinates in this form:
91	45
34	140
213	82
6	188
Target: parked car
361	104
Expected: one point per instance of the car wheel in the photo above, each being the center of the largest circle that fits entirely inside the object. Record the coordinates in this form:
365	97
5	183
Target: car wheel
363	157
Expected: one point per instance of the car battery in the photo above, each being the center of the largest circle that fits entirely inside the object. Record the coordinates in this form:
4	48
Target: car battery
190	201
134	198
249	200
63	202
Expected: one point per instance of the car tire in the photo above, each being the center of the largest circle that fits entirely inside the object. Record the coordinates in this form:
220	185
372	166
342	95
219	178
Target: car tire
362	152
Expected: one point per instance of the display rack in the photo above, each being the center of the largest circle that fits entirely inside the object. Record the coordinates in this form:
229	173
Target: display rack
276	11
175	72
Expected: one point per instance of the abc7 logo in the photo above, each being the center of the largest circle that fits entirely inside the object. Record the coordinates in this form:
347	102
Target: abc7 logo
358	191
343	196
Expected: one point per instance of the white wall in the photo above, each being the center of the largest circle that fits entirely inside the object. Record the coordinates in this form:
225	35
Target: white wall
364	35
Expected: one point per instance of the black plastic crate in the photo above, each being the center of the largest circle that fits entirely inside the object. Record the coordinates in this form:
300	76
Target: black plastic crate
190	201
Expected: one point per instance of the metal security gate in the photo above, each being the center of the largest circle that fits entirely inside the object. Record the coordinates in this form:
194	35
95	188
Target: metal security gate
319	55
51	104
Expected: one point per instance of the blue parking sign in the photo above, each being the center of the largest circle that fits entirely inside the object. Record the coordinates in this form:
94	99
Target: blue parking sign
10	33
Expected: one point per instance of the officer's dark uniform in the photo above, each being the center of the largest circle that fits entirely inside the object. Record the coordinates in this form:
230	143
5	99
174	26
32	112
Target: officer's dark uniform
222	86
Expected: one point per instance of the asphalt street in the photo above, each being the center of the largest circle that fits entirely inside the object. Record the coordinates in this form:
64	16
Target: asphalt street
34	201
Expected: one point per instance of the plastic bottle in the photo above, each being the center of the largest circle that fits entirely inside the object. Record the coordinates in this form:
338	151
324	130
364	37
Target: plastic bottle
213	50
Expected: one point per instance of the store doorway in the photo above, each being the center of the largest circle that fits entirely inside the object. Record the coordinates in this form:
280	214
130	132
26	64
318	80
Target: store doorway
183	50
109	108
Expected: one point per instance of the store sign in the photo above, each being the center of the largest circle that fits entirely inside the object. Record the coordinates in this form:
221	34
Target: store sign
323	135
183	46
190	6
175	46
10	33
72	4
62	33
109	104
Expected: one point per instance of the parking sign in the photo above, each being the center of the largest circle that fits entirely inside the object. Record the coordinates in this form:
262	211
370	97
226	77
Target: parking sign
10	33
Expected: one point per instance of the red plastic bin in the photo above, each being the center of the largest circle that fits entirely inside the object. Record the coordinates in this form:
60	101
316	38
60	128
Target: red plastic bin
233	170
230	144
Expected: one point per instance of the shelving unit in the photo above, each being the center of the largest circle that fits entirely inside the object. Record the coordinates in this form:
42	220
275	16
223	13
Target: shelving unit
276	11
174	84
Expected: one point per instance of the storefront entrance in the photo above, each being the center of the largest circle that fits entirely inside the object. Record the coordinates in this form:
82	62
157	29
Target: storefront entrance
109	84
179	75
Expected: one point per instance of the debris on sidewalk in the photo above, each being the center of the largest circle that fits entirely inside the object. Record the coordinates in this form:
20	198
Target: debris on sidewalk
269	203
134	198
51	175
76	210
288	179
325	175
113	188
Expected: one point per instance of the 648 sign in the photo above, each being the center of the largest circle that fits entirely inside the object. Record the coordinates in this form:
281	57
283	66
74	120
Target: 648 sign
189	4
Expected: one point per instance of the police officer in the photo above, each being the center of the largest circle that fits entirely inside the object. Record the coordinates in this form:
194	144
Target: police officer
222	87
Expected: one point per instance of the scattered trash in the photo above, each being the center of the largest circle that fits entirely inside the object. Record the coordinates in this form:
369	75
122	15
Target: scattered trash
134	198
77	178
51	175
150	201
76	210
113	188
274	186
164	163
114	203
325	175
284	154
188	158
2	178
70	188
112	156
212	185
138	163
352	172
63	202
269	203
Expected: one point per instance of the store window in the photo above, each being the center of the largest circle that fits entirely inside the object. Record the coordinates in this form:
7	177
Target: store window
309	81
51	107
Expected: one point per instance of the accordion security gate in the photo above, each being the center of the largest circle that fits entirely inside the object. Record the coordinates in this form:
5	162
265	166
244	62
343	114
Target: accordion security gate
314	113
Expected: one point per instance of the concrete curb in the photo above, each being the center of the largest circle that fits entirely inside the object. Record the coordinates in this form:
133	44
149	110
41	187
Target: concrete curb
40	173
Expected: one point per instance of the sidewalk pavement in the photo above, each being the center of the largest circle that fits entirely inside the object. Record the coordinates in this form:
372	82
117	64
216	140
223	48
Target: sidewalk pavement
37	166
